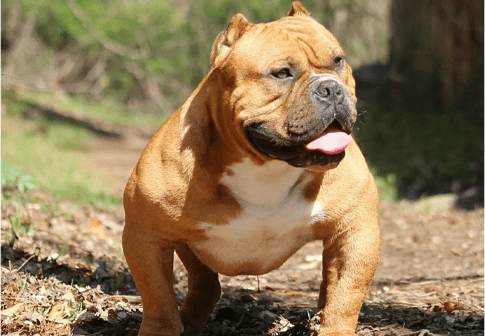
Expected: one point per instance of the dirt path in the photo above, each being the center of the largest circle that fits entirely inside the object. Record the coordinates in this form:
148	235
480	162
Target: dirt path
116	158
69	273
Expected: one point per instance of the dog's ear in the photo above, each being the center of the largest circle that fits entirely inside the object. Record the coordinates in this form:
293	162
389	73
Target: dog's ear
225	40
297	8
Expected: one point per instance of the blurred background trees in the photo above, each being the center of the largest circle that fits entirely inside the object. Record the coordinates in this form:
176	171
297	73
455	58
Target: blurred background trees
438	44
152	52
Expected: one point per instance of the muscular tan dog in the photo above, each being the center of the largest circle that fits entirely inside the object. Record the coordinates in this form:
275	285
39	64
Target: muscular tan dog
258	162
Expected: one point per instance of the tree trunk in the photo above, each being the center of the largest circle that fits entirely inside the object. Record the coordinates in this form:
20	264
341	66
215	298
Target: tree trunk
437	49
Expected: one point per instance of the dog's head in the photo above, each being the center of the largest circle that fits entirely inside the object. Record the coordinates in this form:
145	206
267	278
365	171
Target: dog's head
287	84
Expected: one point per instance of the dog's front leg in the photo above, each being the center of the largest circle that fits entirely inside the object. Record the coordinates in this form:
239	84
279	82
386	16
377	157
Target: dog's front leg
349	263
151	263
203	294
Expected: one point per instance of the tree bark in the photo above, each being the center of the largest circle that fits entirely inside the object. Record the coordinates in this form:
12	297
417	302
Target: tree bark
437	48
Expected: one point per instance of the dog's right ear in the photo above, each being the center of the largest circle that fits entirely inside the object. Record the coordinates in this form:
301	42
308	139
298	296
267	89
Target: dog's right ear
297	8
225	40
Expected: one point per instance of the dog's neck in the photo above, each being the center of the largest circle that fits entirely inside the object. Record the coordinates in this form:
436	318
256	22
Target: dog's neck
264	185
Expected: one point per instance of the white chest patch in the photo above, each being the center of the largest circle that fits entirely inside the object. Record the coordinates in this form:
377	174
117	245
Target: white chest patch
274	223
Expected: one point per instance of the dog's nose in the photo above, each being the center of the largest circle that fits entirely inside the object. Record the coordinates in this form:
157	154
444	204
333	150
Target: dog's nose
329	89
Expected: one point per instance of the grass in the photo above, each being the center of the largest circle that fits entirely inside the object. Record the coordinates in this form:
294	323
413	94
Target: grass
106	110
56	169
53	154
76	310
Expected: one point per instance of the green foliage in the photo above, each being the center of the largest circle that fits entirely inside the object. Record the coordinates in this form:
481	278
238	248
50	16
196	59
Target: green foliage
427	149
14	186
62	251
387	186
11	177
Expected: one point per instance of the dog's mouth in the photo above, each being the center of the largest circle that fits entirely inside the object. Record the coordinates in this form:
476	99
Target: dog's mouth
319	153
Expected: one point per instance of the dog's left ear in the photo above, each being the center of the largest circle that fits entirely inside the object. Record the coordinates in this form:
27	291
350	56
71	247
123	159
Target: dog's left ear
297	8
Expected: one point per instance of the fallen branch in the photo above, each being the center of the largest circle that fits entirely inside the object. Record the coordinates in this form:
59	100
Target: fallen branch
95	126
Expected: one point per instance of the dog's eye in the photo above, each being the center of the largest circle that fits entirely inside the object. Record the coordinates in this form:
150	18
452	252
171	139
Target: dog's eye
282	73
338	61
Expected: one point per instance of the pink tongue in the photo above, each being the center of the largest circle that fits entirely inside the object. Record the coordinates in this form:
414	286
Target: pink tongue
331	143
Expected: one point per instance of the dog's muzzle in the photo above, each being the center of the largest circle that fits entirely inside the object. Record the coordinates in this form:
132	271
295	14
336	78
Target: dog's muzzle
329	102
328	107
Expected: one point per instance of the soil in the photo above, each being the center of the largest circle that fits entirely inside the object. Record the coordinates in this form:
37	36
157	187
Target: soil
67	275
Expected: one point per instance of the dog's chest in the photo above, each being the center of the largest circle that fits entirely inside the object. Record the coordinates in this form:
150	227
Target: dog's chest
275	221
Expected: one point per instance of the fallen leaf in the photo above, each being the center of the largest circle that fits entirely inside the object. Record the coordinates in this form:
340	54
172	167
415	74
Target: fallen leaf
14	310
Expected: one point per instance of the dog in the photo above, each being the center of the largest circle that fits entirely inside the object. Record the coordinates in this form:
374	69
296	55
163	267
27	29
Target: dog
256	163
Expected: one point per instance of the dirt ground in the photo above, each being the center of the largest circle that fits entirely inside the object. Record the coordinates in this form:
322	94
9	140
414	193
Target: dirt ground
68	276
